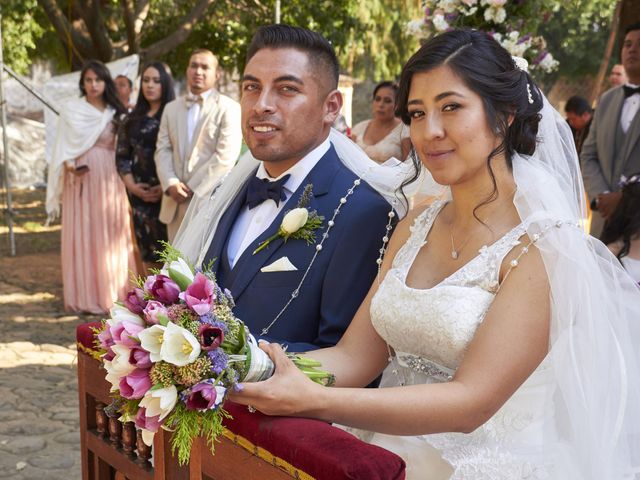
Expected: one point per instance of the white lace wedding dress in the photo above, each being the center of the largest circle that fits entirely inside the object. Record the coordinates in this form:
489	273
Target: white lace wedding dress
429	331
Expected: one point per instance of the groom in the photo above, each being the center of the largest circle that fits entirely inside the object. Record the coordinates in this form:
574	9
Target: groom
300	294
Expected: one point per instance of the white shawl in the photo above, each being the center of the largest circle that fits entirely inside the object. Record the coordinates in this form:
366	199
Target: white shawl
79	127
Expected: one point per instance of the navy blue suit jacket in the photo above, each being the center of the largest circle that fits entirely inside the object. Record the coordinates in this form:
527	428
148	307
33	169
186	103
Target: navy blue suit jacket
339	278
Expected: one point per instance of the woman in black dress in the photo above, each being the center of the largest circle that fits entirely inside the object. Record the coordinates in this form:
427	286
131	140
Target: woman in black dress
134	159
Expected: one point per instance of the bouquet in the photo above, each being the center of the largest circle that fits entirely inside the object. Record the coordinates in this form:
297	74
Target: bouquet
174	349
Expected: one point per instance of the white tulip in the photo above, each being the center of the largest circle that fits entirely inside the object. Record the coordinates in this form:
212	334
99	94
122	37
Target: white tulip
120	365
160	401
147	436
151	340
119	314
294	220
179	346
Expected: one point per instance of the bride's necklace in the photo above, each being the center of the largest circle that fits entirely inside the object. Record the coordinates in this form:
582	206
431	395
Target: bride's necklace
455	252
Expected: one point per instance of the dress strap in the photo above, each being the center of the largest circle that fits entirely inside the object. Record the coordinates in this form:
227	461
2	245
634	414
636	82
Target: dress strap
419	230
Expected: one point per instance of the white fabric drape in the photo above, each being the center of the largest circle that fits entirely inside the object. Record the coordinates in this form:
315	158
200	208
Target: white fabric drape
79	127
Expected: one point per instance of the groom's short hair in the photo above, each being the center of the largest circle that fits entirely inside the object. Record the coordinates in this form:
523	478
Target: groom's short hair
318	49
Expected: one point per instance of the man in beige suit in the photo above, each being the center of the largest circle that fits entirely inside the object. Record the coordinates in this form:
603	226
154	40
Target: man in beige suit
198	142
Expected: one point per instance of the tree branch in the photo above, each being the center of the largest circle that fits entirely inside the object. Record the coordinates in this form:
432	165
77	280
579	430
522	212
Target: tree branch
80	45
92	16
129	26
180	34
142	10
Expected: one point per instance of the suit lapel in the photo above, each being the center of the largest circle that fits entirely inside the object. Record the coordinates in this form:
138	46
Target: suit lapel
610	133
183	135
205	113
225	225
633	134
248	265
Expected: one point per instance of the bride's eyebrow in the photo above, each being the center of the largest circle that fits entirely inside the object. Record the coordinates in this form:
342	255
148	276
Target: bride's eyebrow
450	93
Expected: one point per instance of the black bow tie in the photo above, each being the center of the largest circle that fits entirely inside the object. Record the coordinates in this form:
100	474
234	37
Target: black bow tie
261	189
628	91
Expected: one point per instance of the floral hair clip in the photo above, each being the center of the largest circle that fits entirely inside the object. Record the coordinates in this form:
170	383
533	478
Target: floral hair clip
624	181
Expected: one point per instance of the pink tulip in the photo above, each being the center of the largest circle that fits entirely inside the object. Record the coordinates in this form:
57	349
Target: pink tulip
136	384
162	288
126	333
199	295
210	337
153	310
148	423
135	301
140	358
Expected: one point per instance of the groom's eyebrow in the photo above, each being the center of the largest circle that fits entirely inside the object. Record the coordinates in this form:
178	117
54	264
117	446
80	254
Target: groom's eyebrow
289	78
249	78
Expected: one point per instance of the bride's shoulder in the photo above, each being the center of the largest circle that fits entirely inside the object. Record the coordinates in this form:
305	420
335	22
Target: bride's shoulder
418	215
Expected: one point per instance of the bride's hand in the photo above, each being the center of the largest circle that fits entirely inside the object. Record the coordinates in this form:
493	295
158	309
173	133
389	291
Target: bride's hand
287	393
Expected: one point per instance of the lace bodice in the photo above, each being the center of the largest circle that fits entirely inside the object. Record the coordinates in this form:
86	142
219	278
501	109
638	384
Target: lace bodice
430	329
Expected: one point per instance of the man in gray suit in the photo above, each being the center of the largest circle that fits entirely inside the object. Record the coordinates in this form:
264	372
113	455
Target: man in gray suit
612	148
198	142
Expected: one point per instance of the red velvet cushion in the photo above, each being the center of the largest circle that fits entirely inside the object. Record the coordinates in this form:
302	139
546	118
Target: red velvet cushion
315	447
84	334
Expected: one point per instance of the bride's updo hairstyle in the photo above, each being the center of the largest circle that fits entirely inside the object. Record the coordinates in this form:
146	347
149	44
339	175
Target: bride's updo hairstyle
490	71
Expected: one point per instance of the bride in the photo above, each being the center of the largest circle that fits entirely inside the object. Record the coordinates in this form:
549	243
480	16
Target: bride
512	334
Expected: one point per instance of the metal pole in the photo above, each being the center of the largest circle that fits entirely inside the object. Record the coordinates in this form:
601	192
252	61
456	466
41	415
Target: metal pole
277	11
5	142
29	88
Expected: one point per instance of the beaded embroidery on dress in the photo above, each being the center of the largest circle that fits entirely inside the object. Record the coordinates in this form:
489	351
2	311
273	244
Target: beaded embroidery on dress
429	331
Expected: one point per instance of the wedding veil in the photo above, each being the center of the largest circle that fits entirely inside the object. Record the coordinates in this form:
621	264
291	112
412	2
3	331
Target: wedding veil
593	410
202	216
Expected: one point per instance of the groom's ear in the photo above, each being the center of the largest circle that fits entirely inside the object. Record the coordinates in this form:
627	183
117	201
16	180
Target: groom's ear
332	106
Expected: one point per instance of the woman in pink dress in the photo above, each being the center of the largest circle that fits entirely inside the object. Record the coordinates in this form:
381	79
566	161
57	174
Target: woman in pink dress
97	247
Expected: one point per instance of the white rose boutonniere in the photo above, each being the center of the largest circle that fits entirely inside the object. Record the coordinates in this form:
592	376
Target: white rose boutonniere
298	223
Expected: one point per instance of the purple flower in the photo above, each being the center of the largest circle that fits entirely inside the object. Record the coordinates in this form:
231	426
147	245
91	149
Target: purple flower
105	339
136	384
152	310
148	423
162	288
210	337
204	396
140	358
135	301
199	295
218	361
126	333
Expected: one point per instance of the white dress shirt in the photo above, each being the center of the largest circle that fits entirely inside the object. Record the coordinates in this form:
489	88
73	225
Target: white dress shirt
251	223
193	114
630	107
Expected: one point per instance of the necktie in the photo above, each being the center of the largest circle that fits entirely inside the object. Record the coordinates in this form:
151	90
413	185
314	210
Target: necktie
192	99
261	189
628	90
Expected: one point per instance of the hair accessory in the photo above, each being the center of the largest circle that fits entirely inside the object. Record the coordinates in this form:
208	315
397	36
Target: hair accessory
529	95
521	63
624	181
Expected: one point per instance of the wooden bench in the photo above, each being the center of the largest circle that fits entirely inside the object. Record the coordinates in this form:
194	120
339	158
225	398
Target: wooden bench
253	447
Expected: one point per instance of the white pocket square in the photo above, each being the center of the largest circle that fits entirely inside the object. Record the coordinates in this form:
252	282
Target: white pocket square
281	265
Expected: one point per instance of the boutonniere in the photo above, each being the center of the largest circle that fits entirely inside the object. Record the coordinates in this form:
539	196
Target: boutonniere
299	223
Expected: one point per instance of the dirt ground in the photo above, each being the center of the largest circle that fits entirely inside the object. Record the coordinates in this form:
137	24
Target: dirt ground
39	423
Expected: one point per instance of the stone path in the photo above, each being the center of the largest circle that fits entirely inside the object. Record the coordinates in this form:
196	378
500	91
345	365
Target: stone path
39	426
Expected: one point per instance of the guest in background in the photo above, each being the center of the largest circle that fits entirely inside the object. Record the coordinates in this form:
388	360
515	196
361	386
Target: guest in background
134	159
622	231
579	115
124	85
97	248
618	75
383	136
612	148
199	140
